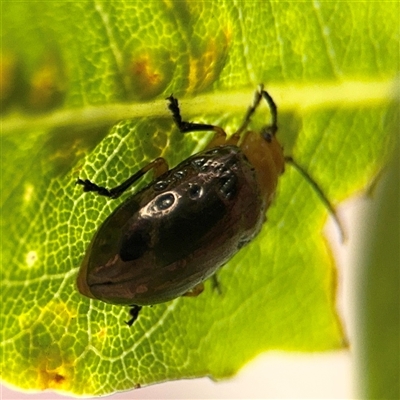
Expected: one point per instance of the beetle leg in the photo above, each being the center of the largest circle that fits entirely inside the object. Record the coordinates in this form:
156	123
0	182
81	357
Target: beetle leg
272	128
195	291
159	165
134	312
215	284
185	126
219	138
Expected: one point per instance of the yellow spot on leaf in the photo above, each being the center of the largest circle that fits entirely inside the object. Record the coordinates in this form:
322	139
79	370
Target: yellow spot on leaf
148	72
47	84
204	69
55	312
59	312
145	75
58	378
31	258
102	334
26	320
29	189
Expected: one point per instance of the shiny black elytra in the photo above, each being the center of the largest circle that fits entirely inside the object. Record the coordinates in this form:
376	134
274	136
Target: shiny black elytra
165	240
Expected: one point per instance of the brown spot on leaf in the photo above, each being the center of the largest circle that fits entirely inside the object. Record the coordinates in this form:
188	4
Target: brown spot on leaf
58	378
47	84
147	74
206	67
53	379
143	70
8	66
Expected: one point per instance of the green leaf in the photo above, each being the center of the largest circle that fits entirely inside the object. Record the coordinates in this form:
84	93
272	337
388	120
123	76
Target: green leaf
72	70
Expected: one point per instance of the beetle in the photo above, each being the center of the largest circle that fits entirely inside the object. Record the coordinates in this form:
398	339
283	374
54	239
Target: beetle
165	240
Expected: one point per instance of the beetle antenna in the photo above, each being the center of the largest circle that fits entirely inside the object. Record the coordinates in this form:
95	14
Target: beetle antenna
269	130
321	195
252	108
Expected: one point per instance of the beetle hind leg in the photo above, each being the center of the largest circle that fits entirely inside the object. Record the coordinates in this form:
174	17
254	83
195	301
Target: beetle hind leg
215	284
134	312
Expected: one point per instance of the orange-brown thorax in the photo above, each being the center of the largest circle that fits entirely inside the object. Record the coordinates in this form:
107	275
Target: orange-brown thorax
266	157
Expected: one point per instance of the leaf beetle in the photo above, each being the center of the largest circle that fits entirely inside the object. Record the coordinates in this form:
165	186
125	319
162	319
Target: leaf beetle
165	240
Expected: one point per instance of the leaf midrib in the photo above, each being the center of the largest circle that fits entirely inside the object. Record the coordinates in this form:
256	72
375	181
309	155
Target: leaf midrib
288	96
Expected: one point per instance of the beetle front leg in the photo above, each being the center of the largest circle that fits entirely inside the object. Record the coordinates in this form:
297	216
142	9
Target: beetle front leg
159	165
219	138
185	126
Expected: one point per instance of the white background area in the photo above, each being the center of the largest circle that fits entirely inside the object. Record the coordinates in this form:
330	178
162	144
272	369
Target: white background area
278	375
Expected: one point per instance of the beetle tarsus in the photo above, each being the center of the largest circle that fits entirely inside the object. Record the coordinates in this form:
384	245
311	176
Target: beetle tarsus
159	164
173	106
134	312
89	186
184	126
